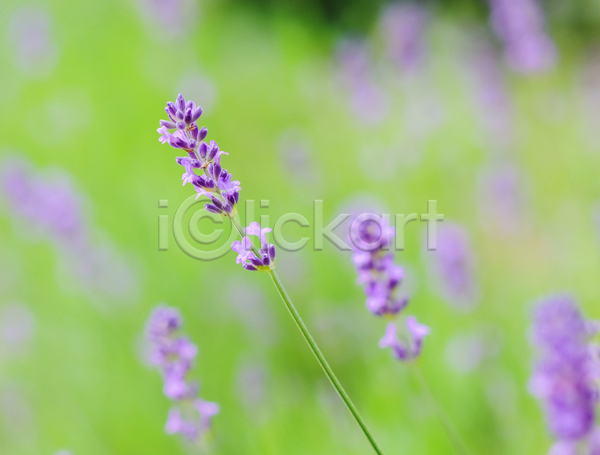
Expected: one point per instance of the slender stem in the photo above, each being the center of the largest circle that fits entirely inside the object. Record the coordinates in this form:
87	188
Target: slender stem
313	345
321	359
446	423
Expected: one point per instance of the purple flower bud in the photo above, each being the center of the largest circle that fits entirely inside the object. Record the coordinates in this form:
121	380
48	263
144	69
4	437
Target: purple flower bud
188	117
202	150
212	208
196	115
249	266
216	202
216	171
202	133
171	110
265	259
180	125
177	142
257	262
212	152
180	103
272	252
166	124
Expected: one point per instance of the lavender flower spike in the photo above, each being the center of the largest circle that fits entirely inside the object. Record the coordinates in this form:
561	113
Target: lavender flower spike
214	182
381	280
174	355
563	375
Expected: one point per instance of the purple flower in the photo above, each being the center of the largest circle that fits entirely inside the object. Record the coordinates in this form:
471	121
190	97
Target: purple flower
174	355
368	101
520	25
214	182
30	33
405	351
402	25
375	266
51	207
381	280
595	442
563	373
247	257
452	263
192	422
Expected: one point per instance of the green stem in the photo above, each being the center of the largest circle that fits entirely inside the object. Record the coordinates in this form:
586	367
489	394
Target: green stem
313	346
446	423
321	359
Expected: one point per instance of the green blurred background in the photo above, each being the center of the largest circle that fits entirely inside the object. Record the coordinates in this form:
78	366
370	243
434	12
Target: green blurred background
84	98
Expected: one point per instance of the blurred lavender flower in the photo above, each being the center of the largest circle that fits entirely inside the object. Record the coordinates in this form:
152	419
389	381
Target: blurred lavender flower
595	442
30	34
502	198
590	96
563	373
381	279
52	207
174	355
215	182
452	265
403	26
174	17
492	101
17	326
294	150
400	350
520	25
368	100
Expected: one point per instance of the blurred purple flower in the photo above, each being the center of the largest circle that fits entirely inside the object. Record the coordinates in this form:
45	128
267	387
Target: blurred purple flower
368	101
520	25
491	97
52	207
174	17
403	26
381	279
17	326
174	355
595	442
402	351
30	31
452	264
562	376
502	198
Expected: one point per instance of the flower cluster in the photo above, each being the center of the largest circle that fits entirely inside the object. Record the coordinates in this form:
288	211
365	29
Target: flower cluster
565	372
174	355
519	24
381	279
214	182
248	258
